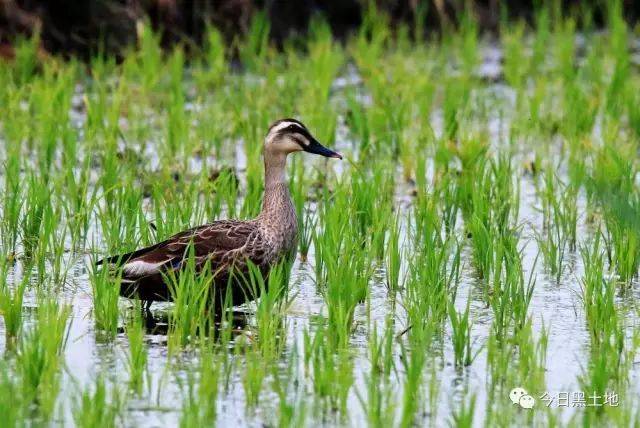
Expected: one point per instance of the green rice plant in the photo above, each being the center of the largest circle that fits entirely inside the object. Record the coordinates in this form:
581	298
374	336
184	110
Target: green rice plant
306	219
580	110
511	294
358	122
435	206
489	203
253	376
347	286
39	356
342	282
37	202
172	214
566	213
379	403
611	188
52	264
597	294
177	135
483	246
26	58
149	58
199	406
13	196
254	49
331	371
371	204
467	37
317	72
413	362
192	294
462	417
516	63
393	258
14	407
619	45
306	226
633	111
292	406
211	72
11	297
506	194
553	248
431	282
623	240
532	355
78	204
119	225
521	360
97	406
136	351
461	335
564	49
225	341
434	273
610	359
455	105
226	189
270	314
105	285
373	36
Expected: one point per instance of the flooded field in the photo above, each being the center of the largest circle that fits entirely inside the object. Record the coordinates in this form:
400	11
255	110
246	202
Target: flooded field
472	261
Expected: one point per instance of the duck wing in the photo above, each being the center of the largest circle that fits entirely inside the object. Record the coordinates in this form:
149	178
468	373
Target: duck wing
219	243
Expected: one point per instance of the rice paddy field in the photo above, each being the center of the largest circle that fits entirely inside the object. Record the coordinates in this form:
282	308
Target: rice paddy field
482	233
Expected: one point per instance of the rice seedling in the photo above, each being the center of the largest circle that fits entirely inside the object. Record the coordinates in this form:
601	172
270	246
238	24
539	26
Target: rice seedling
379	403
553	249
461	335
199	406
331	372
414	362
394	257
511	293
39	356
610	356
306	219
270	313
463	416
98	406
191	314
292	408
254	376
14	407
105	299
11	298
137	353
612	187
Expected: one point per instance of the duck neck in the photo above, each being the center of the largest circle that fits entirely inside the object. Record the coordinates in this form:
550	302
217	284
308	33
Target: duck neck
277	200
275	166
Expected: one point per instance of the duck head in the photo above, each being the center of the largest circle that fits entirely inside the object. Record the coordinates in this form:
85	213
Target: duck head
290	135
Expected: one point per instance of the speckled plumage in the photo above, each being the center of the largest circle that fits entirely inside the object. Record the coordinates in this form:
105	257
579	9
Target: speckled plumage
226	246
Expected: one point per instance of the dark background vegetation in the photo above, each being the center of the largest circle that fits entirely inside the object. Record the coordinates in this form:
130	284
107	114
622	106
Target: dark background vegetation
82	27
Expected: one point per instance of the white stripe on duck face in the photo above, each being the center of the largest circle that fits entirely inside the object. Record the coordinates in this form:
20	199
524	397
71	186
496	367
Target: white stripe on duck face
283	125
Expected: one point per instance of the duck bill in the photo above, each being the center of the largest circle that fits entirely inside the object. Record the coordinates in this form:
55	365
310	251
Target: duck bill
318	149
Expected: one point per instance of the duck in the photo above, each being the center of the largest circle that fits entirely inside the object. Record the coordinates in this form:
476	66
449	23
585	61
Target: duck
227	247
